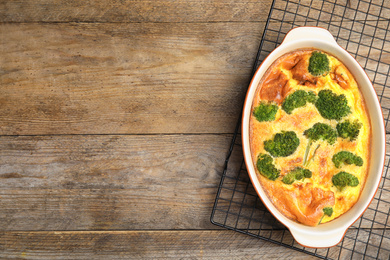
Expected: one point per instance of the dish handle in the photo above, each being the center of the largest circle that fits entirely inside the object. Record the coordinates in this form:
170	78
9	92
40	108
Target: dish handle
319	240
307	32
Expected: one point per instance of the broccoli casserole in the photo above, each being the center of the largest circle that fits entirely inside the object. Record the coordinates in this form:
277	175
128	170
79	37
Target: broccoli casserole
310	136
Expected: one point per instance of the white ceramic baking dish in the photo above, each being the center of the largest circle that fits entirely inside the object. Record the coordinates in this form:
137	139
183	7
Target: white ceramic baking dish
331	233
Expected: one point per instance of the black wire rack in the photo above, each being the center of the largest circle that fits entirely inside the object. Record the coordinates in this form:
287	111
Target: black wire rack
362	28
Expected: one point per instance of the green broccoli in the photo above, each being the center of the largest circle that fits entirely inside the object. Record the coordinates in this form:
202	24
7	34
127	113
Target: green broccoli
298	99
266	168
343	179
265	112
319	131
298	174
348	129
331	105
327	211
301	173
345	157
283	144
289	178
318	64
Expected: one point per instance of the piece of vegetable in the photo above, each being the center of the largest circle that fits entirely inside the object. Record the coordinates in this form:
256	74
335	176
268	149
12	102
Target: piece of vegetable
308	161
346	157
266	167
298	99
283	144
289	178
296	174
331	105
348	129
319	131
265	112
327	211
318	64
344	179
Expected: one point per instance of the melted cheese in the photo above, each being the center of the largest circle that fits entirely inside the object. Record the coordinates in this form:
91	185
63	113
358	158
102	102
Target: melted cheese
303	201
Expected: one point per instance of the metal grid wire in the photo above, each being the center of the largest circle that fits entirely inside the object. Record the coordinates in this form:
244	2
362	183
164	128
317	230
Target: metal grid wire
362	28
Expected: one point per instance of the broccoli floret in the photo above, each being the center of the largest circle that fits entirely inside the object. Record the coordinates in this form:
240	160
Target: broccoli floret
331	105
348	129
299	176
307	173
343	179
318	64
319	131
265	112
289	178
266	168
283	144
298	99
345	157
354	181
327	211
301	173
297	173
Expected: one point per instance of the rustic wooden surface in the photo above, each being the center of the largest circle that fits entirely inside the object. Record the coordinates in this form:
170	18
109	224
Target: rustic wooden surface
115	120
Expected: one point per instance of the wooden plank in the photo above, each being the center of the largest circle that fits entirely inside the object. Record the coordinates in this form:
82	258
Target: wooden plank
217	244
109	182
221	244
187	11
124	79
148	207
126	182
134	11
130	78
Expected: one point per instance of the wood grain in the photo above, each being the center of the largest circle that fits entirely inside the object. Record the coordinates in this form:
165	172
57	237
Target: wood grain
221	244
164	11
109	182
108	209
134	11
109	95
123	182
130	78
124	79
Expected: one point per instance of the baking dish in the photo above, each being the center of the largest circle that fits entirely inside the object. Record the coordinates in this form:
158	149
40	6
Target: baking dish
331	233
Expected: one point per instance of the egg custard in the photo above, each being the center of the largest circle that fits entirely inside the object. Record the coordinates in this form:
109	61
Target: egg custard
310	136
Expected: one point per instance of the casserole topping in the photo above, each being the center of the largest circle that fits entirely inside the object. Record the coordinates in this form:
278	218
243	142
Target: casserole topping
310	136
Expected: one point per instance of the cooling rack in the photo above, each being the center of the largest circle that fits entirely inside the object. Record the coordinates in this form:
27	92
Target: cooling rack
362	28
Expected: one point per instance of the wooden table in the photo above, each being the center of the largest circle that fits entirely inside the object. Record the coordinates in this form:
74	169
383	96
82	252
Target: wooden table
115	120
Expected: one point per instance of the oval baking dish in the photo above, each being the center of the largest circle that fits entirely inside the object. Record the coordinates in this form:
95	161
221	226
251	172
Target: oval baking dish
330	233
